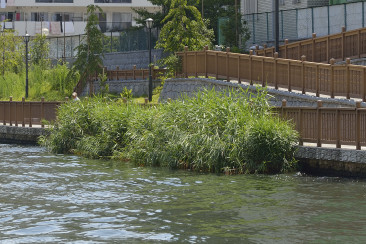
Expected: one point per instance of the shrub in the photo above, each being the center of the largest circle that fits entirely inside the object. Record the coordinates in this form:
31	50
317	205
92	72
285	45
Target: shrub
211	132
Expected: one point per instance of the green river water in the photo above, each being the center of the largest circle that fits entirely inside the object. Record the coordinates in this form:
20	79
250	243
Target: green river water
46	198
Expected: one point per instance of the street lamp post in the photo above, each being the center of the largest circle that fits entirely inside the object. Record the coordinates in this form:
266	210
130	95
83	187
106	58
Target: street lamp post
149	23
26	39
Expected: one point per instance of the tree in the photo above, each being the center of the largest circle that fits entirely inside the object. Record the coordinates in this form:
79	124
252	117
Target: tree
235	29
183	26
11	51
90	51
39	50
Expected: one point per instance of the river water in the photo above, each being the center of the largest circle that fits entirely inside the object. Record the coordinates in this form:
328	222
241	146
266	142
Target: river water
46	198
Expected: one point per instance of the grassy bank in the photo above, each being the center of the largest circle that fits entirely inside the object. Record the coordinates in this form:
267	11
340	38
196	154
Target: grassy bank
212	132
50	83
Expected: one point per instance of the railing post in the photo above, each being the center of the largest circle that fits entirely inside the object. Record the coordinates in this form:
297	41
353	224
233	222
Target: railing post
338	128
363	85
343	41
263	81
359	43
250	67
239	81
289	75
301	142
275	69
30	114
358	125
3	103
227	64
205	49
23	116
348	80
216	65
286	43
319	121
117	73
283	106
195	64
303	58
10	102
42	111
332	61
317	83
16	114
185	62
134	72
313	47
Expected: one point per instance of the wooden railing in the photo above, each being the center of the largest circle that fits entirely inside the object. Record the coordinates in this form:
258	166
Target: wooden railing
24	113
328	79
118	74
347	44
325	125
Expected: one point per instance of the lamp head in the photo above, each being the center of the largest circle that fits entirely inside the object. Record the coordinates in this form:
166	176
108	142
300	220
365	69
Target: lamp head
26	37
149	23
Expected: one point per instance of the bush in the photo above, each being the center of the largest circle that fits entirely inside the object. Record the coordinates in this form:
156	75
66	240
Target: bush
211	132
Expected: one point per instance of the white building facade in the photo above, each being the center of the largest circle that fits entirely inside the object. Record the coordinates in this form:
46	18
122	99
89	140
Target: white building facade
60	17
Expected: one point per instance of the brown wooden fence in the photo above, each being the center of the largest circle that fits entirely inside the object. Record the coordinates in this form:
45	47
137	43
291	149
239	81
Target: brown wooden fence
27	113
117	74
347	44
334	80
324	125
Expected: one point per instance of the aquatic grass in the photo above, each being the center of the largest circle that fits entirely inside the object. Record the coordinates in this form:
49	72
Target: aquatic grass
213	131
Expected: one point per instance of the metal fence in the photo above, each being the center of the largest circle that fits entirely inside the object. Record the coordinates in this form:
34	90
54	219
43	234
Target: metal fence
298	24
121	41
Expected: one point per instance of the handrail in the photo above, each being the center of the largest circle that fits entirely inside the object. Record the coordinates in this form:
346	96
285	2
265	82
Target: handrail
346	44
328	79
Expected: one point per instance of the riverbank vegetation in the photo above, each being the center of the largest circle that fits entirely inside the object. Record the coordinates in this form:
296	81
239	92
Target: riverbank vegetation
215	131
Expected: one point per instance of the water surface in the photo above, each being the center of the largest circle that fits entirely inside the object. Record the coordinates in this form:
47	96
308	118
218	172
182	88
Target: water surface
46	198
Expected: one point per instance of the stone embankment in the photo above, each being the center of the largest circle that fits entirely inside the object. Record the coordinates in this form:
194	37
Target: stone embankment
20	135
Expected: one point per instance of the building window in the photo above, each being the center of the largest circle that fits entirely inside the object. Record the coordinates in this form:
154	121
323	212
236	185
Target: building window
54	1
112	1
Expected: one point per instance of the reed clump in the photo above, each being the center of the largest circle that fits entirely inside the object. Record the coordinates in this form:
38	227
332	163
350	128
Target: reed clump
214	131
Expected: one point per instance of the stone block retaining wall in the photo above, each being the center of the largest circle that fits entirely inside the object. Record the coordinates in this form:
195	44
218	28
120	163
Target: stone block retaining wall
173	88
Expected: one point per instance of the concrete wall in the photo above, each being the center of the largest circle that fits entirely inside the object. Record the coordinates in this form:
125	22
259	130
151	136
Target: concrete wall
174	88
139	87
20	135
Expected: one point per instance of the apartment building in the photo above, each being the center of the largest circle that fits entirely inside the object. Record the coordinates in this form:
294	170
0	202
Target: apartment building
59	17
262	6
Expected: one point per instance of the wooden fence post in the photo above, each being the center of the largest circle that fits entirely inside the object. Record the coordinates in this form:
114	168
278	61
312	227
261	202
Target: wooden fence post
332	61
283	106
227	64
185	62
338	128
239	81
275	70
319	121
358	125
23	122
205	50
348	80
134	72
216	65
289	75
359	43
363	85
301	142
303	58
117	73
3	103
42	111
343	41
250	67
30	114
10	102
313	47
286	54
317	82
